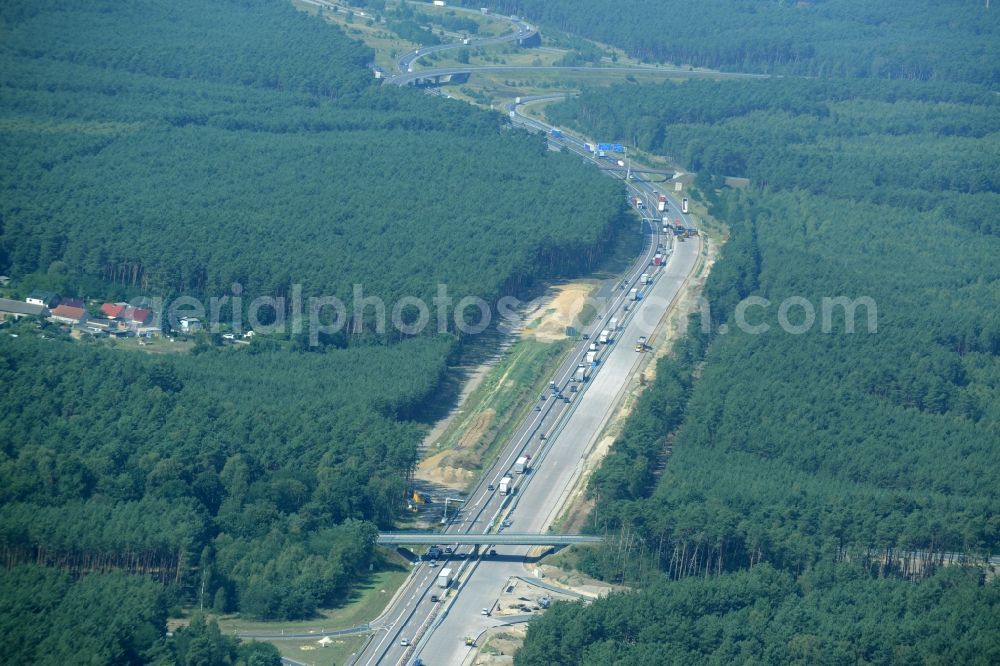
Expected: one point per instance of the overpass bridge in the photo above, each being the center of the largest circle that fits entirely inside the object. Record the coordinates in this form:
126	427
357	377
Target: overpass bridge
504	538
670	173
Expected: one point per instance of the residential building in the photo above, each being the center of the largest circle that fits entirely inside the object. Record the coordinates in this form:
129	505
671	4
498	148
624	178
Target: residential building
113	310
67	314
190	325
11	309
46	298
138	316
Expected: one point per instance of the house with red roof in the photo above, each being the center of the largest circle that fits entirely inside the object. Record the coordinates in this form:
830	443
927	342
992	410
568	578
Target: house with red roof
67	314
113	310
138	316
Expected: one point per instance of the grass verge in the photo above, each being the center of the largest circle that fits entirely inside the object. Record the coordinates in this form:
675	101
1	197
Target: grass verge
308	652
365	604
507	392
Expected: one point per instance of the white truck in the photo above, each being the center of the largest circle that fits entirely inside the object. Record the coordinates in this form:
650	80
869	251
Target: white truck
640	345
444	578
581	373
605	336
505	486
644	278
592	358
684	205
661	203
634	294
521	465
614	324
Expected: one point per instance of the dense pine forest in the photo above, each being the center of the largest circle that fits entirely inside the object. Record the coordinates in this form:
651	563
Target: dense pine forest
830	615
891	39
885	437
159	150
789	497
120	146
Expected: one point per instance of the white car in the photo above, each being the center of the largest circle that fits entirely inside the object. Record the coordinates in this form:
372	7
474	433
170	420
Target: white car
405	642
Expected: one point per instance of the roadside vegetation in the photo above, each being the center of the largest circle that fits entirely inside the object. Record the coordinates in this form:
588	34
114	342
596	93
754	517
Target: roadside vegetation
178	149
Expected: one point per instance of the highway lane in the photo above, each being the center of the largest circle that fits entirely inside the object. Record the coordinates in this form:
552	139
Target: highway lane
404	63
403	621
407	77
414	613
559	467
521	30
411	612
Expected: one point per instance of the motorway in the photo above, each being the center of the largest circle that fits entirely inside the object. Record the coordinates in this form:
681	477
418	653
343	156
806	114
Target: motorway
558	433
408	77
570	427
434	632
405	63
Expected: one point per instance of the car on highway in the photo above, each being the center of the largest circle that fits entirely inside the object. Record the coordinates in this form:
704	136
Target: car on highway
538	408
405	642
490	487
434	598
541	436
485	611
433	563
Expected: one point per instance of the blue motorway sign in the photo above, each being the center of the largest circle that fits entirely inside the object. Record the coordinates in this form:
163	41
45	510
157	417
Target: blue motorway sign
611	147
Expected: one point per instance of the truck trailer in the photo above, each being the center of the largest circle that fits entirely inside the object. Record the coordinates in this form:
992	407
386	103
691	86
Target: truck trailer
505	486
605	336
581	373
661	203
521	465
444	578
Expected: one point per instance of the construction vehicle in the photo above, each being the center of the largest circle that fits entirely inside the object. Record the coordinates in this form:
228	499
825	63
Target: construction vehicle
640	345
